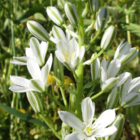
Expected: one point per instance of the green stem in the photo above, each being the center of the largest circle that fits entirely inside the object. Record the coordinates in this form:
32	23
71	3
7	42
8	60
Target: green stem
50	126
80	70
118	108
92	59
95	37
63	97
98	94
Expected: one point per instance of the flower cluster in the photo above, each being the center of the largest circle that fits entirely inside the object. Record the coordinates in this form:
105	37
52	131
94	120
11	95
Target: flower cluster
70	47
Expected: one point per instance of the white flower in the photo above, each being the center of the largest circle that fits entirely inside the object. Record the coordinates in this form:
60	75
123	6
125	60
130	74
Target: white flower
109	70
129	92
125	53
37	51
87	130
39	77
69	53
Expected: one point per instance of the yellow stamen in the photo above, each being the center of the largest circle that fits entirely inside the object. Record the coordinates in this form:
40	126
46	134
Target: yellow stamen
73	55
66	56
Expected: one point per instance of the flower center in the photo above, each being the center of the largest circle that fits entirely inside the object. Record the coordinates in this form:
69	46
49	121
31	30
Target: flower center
66	56
89	130
73	55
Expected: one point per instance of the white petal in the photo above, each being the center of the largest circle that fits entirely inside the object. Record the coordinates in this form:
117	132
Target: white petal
88	109
72	136
95	68
71	120
62	46
105	64
46	69
106	132
113	68
19	89
106	118
37	85
81	53
35	47
135	85
103	75
123	77
29	53
54	40
60	56
20	81
110	83
74	47
58	33
44	48
19	60
90	138
33	69
119	50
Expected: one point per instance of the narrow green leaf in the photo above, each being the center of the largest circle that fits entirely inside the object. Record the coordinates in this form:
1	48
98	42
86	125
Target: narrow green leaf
22	116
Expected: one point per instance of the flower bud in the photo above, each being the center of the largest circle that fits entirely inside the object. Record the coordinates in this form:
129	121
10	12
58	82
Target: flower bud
108	37
125	53
112	99
71	13
94	5
55	15
37	30
61	3
101	19
34	101
118	123
95	68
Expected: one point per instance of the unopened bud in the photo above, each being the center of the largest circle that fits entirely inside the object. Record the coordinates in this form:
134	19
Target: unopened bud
101	19
71	13
55	15
108	37
37	30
